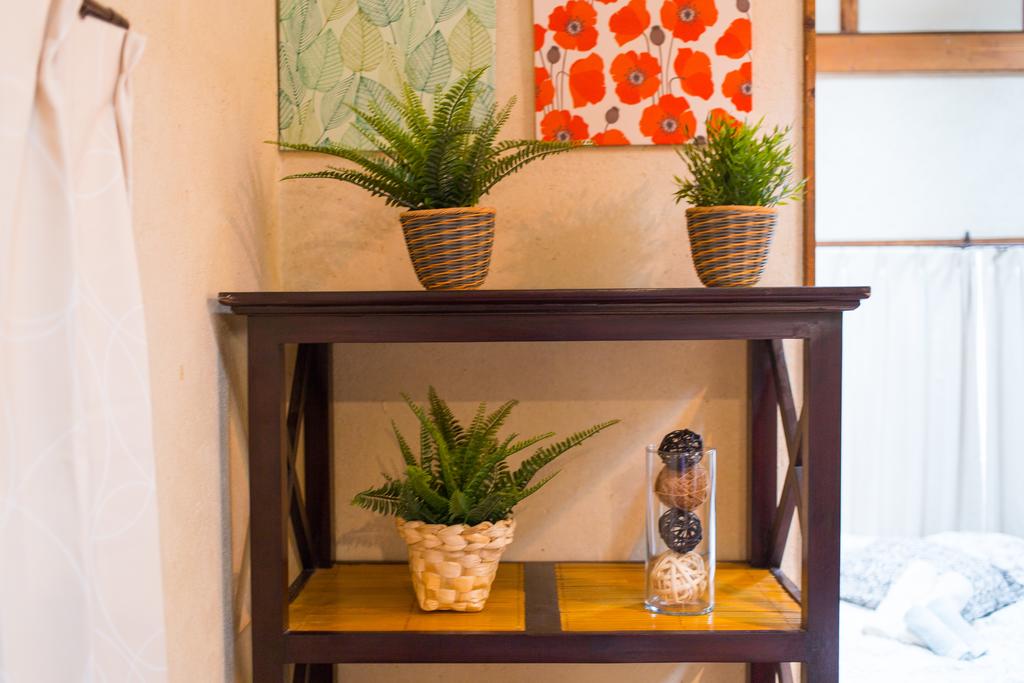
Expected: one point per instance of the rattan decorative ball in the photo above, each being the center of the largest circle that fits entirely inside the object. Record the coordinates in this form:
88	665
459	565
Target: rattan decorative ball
681	530
679	578
681	448
685	489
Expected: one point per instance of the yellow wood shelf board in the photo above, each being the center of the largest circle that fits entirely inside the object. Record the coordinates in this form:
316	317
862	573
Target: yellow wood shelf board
379	597
609	597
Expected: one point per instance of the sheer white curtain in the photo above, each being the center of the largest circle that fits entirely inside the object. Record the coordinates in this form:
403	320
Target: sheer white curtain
933	397
80	587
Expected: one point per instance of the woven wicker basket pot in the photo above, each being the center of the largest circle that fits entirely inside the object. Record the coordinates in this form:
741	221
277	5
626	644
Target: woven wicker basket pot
453	567
450	248
730	243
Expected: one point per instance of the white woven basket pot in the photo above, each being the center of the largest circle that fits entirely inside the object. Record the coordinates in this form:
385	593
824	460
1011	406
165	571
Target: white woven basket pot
454	566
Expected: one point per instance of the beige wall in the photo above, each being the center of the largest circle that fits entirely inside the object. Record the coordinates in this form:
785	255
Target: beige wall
210	216
205	211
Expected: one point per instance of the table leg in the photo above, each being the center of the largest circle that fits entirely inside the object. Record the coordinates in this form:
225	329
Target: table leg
821	494
267	503
318	470
764	456
761	672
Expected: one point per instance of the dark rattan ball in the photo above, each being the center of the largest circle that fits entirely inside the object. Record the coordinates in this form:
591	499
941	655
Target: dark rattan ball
681	530
681	448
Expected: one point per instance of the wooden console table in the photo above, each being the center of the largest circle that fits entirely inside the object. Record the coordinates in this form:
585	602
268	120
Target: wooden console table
541	612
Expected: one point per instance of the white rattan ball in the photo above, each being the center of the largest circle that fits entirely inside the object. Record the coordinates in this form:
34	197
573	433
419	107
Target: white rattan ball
679	578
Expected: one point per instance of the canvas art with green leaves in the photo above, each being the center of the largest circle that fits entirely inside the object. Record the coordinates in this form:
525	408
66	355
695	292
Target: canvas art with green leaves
338	55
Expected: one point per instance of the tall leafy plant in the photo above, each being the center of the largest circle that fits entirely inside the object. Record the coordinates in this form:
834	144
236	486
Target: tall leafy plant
432	161
739	165
462	474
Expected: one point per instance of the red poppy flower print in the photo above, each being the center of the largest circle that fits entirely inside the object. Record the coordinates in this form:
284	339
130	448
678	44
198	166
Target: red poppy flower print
720	117
612	136
575	25
738	87
669	122
736	40
586	80
637	75
694	72
544	89
688	19
630	22
538	37
563	126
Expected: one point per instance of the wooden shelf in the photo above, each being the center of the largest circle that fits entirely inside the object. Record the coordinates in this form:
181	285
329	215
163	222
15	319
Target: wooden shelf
379	597
609	597
543	612
537	612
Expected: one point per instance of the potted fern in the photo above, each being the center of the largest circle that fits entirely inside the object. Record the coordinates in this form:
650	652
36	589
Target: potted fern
739	175
437	166
454	503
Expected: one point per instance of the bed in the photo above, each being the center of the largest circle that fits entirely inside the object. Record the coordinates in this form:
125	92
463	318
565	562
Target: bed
872	659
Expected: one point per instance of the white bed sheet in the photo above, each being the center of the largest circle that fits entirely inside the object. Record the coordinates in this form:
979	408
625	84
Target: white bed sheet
870	659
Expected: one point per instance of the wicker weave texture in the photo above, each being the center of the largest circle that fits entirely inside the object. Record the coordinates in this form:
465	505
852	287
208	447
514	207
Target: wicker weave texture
450	248
453	567
730	243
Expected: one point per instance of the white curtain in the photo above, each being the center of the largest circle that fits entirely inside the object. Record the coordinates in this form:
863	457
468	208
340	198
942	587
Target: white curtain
933	389
80	586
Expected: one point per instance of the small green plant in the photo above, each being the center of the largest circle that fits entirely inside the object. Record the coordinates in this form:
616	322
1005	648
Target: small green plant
462	475
441	161
739	165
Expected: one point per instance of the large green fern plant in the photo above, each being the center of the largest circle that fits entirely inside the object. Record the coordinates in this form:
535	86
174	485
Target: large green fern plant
423	161
462	474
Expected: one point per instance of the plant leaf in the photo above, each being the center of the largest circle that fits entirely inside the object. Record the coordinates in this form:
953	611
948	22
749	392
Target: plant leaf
443	10
382	12
470	44
370	92
320	66
543	456
362	47
429	65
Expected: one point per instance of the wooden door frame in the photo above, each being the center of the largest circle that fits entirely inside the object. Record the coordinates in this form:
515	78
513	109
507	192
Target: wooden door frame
810	76
850	51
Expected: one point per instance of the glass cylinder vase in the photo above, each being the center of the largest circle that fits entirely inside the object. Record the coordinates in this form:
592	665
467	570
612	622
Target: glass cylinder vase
680	564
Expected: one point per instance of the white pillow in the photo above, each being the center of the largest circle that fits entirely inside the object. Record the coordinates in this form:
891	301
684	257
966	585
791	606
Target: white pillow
1001	550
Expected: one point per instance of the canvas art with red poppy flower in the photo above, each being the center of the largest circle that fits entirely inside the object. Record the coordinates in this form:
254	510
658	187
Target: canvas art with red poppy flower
640	72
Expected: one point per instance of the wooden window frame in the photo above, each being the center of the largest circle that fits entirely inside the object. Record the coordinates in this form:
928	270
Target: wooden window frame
850	51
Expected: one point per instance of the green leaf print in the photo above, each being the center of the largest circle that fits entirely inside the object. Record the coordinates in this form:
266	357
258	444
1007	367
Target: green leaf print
336	105
484	11
445	9
362	47
285	110
369	91
335	9
382	12
305	25
320	66
288	77
470	44
285	8
430	64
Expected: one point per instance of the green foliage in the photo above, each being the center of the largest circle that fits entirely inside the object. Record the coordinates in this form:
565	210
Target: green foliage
462	475
738	165
449	159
